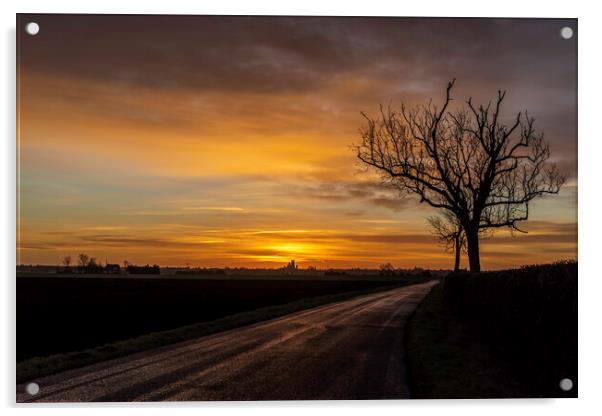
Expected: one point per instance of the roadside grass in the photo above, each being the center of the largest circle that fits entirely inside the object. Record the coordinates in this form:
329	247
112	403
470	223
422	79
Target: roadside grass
41	366
446	359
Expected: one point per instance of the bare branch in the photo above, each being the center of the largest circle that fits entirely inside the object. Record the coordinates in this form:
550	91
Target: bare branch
466	161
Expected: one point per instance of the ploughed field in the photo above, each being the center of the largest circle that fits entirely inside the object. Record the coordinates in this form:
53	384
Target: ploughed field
61	314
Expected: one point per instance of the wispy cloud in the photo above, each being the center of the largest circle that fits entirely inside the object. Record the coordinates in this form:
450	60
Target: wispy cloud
226	209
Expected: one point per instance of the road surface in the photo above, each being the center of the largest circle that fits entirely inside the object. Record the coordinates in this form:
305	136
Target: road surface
346	350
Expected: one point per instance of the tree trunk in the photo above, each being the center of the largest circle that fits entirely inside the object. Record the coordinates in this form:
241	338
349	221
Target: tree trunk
472	240
458	251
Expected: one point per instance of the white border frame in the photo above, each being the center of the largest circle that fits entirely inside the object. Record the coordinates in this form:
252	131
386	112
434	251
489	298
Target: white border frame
590	149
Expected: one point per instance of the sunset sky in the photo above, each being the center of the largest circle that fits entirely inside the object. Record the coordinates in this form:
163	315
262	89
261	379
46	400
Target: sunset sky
226	141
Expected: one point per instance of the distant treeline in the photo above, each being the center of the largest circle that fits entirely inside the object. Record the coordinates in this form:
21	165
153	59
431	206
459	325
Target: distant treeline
528	316
90	265
87	264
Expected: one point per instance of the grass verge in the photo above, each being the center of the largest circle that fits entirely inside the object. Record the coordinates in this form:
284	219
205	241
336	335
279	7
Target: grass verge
446	360
41	366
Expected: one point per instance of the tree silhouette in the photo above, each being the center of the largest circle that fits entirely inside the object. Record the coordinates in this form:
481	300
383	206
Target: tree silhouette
450	233
387	269
467	162
67	264
67	261
83	260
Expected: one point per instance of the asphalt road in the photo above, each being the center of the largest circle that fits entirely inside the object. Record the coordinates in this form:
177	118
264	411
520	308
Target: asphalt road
346	350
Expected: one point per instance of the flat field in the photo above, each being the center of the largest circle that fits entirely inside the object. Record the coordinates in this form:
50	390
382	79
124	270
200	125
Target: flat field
62	314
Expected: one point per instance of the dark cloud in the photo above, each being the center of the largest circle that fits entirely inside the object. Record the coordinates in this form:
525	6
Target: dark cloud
535	238
259	252
34	246
283	53
354	213
374	193
394	58
112	241
208	52
392	203
58	233
550	227
486	254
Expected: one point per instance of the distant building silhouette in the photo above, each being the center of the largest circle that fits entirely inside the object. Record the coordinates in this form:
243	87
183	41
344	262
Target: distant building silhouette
291	267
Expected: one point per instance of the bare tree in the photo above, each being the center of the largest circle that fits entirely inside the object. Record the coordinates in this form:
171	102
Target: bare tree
449	231
467	162
83	260
67	261
387	269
